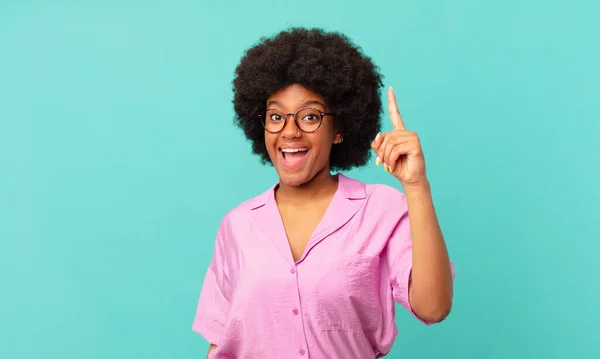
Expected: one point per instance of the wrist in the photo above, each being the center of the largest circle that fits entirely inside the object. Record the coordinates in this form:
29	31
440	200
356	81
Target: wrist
417	188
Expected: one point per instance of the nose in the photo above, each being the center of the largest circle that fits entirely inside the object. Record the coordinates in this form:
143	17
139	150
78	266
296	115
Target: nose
291	130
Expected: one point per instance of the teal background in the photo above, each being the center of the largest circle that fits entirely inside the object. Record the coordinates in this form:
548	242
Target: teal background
118	159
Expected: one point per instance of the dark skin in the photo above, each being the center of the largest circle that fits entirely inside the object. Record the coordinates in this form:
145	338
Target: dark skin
300	219
306	189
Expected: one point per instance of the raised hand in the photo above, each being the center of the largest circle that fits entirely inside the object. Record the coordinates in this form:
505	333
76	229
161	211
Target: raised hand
400	150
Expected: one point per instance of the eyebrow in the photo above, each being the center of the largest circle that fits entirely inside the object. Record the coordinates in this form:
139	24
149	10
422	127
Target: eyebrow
310	102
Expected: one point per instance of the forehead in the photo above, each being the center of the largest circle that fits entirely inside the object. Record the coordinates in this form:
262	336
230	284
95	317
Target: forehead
295	96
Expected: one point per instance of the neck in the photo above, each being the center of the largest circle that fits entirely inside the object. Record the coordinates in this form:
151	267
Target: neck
322	184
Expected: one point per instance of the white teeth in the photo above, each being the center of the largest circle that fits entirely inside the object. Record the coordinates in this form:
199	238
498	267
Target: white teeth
294	149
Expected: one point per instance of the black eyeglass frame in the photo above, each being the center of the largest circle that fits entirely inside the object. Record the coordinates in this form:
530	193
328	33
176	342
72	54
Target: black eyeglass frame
287	116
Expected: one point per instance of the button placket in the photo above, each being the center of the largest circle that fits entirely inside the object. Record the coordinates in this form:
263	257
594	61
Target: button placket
295	311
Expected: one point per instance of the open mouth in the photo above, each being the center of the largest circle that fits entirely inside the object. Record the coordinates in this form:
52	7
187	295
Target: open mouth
293	156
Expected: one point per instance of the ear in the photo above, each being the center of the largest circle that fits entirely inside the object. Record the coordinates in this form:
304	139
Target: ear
338	138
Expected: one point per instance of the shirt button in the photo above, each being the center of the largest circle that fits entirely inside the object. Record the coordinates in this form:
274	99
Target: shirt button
292	270
295	311
301	352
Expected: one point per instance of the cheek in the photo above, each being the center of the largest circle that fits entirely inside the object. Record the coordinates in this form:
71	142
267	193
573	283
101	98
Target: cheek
270	140
323	144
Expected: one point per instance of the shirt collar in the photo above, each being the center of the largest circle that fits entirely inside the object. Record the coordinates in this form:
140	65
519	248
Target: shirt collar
347	187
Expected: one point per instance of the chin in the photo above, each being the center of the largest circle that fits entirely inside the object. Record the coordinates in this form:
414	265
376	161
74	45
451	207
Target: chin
294	179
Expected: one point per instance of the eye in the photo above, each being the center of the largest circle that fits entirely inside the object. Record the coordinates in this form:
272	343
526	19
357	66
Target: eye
310	115
275	117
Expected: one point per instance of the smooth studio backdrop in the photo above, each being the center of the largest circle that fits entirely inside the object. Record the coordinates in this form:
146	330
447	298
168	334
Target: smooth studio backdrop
119	157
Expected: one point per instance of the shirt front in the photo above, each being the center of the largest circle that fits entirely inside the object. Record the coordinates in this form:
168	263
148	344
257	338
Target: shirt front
336	301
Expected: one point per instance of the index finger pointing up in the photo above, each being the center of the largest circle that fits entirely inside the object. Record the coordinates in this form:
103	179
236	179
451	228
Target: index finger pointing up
395	116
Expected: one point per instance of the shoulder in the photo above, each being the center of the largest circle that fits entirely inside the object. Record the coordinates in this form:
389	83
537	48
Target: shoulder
385	193
380	197
386	200
238	217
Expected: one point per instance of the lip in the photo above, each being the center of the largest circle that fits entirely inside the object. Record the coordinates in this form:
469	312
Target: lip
295	164
292	146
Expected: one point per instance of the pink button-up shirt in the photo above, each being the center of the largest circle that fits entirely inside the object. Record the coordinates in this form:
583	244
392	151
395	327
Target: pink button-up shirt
336	301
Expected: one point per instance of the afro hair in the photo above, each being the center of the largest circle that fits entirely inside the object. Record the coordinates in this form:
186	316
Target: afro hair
327	63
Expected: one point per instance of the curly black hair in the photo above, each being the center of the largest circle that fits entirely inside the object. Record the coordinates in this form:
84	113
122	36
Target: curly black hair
327	63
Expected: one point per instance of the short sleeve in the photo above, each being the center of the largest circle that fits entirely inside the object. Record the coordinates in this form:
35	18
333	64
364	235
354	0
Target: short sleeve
400	262
214	303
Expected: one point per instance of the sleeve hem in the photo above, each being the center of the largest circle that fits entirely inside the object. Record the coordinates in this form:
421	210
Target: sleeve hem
210	336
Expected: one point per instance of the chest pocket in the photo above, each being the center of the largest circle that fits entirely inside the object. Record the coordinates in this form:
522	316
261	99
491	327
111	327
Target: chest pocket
347	295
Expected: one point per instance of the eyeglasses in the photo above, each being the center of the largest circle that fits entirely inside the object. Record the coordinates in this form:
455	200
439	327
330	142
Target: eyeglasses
306	119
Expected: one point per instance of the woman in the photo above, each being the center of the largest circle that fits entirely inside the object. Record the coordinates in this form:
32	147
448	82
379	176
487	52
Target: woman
313	266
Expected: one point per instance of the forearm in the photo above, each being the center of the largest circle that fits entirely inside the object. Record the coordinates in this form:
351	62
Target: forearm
431	288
